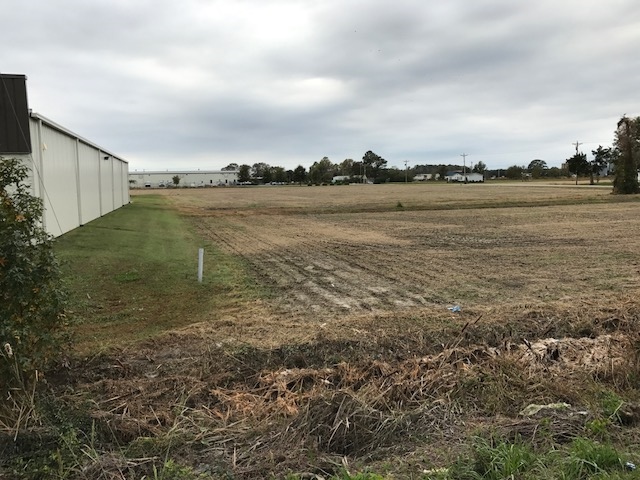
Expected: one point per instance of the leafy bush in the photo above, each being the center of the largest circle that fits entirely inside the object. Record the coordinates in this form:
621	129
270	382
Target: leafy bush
32	318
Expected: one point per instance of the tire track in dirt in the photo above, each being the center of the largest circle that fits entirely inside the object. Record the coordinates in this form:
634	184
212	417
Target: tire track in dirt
317	275
415	276
288	271
387	265
367	281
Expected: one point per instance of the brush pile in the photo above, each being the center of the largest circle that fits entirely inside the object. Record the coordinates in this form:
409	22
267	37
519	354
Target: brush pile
387	391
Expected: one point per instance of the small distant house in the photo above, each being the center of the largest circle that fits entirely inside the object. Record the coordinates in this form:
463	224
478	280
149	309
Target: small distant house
461	177
421	177
350	178
340	179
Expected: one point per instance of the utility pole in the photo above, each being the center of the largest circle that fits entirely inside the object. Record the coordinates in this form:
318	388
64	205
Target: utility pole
464	166
405	171
577	144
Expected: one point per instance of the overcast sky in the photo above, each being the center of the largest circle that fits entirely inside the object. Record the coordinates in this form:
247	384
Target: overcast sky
187	84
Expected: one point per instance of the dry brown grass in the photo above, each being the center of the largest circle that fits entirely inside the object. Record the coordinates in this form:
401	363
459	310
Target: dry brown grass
355	357
377	392
388	259
296	199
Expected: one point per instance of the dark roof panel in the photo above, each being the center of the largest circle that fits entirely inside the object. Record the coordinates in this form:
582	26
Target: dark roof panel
14	115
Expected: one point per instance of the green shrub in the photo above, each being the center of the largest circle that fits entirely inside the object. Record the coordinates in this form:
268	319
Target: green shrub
32	319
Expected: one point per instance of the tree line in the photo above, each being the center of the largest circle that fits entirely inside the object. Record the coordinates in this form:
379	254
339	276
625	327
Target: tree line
373	168
623	158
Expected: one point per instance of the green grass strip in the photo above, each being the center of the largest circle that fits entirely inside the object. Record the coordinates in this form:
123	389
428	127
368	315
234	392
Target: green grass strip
133	273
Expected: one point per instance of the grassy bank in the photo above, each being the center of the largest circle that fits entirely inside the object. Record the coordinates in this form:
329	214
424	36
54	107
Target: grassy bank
133	274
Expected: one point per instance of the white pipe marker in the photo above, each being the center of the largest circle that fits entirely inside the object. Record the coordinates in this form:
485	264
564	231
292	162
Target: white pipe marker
200	263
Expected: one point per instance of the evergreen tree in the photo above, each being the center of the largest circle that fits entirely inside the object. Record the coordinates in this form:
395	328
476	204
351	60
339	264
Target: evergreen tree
578	165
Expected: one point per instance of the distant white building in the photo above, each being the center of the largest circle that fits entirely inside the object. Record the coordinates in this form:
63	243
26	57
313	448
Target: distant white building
186	178
340	178
421	177
469	177
350	178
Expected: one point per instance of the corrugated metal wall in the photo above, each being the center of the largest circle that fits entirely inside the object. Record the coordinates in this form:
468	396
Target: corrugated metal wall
77	180
120	184
89	180
106	186
59	174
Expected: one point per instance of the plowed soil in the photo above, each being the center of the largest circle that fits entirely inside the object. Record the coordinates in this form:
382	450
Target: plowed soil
401	259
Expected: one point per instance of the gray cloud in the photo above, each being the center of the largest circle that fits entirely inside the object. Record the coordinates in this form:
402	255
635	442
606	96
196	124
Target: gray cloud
202	83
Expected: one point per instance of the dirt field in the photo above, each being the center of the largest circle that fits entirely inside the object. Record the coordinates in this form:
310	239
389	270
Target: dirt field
357	198
354	360
402	259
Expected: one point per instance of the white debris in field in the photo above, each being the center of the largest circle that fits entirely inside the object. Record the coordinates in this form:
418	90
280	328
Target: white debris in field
604	351
534	408
601	353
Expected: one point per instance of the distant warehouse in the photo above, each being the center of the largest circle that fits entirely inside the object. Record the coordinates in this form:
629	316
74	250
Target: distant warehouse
183	178
77	180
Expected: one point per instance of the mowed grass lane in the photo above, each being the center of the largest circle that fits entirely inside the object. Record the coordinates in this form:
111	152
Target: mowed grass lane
133	274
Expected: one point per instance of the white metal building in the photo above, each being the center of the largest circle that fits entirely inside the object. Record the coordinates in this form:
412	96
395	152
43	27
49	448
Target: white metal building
197	178
77	180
